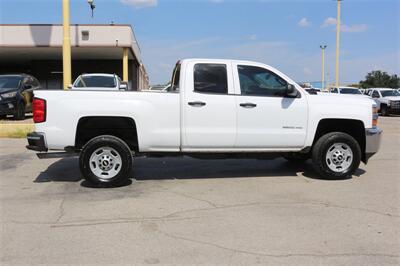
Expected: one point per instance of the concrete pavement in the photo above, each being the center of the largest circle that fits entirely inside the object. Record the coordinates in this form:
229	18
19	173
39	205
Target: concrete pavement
185	211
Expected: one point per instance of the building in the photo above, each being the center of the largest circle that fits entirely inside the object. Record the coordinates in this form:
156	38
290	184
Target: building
37	49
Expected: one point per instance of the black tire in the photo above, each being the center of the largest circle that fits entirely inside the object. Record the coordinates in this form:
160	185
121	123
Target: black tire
117	145
297	157
320	150
3	117
384	110
20	112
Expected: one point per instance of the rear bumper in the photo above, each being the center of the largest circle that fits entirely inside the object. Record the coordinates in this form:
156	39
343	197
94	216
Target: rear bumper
372	141
36	142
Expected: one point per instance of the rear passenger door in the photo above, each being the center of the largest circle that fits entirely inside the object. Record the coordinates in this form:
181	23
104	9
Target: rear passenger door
209	112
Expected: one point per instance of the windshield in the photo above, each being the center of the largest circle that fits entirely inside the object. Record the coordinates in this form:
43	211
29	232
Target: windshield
95	81
349	91
9	82
390	93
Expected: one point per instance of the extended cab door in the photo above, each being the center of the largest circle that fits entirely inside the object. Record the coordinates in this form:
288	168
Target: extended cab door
266	117
209	111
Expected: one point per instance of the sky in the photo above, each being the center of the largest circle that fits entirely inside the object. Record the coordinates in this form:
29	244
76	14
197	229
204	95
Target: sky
285	34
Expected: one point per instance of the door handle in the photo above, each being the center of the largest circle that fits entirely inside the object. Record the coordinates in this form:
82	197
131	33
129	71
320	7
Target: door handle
197	104
248	105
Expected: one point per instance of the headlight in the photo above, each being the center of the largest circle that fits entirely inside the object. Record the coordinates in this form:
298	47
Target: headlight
9	95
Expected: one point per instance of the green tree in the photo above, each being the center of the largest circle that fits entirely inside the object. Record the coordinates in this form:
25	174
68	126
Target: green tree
380	79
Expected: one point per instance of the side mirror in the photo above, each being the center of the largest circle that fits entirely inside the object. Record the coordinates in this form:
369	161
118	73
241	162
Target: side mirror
291	91
27	87
69	86
123	86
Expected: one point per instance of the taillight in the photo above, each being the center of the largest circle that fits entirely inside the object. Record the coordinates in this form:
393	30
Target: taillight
39	110
374	116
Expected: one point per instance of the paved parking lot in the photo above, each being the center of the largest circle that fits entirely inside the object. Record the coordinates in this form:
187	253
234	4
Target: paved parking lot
187	211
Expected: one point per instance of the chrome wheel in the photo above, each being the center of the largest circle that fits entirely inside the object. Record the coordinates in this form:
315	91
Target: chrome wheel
339	157
105	162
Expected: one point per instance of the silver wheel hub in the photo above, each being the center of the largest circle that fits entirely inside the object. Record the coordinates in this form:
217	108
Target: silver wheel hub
105	162
339	157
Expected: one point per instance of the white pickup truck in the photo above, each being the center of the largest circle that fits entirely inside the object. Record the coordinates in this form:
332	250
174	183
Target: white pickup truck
215	109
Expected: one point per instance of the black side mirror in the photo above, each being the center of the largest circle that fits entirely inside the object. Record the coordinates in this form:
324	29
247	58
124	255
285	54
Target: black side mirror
291	91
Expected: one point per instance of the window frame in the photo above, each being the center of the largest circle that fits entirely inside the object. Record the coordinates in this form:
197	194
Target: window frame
239	91
212	93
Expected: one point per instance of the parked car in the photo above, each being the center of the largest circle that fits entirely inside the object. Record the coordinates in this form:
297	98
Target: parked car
16	94
216	109
387	100
99	81
346	90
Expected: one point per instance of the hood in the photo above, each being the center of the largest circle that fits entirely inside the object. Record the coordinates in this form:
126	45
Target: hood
94	89
392	98
341	98
6	90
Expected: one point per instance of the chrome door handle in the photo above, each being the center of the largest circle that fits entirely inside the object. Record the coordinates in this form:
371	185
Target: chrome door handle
197	104
248	105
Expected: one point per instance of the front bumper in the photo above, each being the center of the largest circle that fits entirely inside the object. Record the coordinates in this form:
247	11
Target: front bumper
7	108
36	142
372	142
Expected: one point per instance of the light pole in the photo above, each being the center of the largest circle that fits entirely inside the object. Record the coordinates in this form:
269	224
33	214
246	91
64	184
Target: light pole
337	42
323	47
92	5
66	52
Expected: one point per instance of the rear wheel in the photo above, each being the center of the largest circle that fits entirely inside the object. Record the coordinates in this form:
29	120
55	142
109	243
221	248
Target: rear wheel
336	155
106	160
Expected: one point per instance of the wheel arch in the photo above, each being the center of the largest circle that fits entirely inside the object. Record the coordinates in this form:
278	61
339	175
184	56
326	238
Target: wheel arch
353	127
90	127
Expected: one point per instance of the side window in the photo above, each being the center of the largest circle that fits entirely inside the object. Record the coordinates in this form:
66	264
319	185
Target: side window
261	82
334	90
79	83
375	94
210	78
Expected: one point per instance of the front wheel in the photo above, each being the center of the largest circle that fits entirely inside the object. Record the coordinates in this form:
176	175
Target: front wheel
384	110
106	160
336	155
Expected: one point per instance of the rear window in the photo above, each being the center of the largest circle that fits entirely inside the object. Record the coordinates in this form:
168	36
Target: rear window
95	81
349	91
210	78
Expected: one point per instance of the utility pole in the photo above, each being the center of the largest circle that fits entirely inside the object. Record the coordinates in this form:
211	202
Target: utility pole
337	43
323	47
66	52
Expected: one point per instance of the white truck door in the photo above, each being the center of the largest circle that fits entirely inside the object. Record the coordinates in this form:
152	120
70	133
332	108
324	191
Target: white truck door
209	112
266	118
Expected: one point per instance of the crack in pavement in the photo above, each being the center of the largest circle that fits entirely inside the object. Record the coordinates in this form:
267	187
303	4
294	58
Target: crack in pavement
235	250
172	216
61	211
192	197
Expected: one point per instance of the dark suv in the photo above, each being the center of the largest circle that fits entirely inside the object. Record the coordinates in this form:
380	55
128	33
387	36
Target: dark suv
16	94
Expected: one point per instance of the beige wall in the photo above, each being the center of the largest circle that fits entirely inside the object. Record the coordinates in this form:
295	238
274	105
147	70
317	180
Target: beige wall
100	36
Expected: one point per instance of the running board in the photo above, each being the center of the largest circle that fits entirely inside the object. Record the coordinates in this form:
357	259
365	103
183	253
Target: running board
51	155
